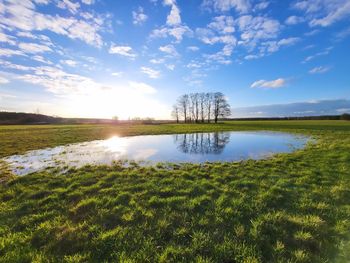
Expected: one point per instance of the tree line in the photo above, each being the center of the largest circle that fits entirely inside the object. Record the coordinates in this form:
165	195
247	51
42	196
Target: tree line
201	107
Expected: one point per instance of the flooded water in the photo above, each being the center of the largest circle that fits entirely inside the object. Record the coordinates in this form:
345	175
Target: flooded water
178	148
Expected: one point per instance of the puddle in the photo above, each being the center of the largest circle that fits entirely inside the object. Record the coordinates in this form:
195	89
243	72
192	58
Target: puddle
193	147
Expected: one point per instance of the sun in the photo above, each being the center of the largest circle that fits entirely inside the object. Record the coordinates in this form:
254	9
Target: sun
123	103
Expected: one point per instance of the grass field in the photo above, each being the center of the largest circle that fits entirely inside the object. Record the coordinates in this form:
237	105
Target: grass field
290	208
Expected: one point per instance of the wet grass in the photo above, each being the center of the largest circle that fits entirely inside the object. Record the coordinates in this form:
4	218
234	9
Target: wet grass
290	208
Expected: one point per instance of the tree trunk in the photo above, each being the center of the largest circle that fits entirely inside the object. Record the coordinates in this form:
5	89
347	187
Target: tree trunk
209	114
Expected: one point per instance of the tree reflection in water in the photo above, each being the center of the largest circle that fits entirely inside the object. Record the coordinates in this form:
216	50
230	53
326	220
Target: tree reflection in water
202	143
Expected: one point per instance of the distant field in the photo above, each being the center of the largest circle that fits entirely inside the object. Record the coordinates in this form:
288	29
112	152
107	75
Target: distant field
290	208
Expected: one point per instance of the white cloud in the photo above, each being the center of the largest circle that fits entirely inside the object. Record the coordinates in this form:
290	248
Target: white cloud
142	87
273	84
6	96
88	2
5	52
261	5
250	57
153	74
7	64
195	78
221	57
308	47
344	110
222	24
319	70
293	20
242	6
22	15
41	59
195	83
45	40
170	66
220	30
86	32
42	2
69	62
256	28
117	74
194	64
60	82
6	38
323	12
26	34
169	49
209	37
157	61
288	41
174	17
177	32
193	48
122	50
3	80
92	60
273	46
343	34
173	26
34	48
139	17
312	32
67	4
322	53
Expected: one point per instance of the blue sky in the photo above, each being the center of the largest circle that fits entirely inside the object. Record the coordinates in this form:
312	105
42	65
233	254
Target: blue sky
95	58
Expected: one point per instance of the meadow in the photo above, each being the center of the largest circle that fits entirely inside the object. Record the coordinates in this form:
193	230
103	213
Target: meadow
289	208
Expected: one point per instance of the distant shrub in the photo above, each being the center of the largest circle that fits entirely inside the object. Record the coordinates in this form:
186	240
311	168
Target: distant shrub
345	116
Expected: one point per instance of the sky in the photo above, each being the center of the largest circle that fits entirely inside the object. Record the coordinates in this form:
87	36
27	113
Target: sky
105	58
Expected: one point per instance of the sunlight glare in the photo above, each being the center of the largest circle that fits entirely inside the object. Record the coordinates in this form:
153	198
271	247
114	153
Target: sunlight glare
115	144
120	101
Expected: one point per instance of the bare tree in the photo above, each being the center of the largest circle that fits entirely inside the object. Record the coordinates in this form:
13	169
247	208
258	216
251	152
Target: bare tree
208	105
221	106
198	107
202	105
183	104
175	113
194	106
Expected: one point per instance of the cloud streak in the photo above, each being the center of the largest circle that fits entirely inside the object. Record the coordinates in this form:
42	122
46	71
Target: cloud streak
272	84
151	73
125	51
312	108
323	12
319	70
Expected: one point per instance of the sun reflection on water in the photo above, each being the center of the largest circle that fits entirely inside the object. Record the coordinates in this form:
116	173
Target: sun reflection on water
115	144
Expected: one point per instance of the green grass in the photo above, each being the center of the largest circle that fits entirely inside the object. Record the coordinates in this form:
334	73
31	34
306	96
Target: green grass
290	208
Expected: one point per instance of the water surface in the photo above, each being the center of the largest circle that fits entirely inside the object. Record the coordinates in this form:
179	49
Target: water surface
178	148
